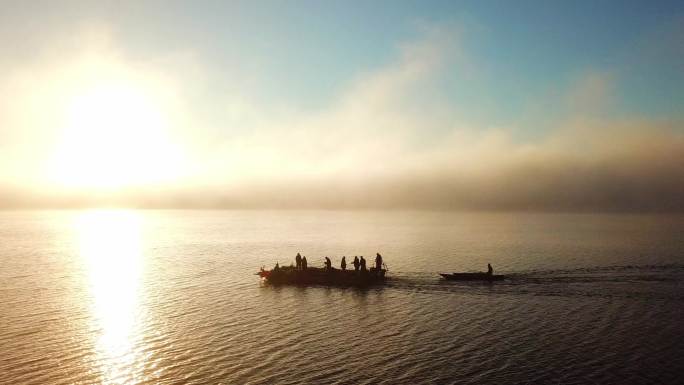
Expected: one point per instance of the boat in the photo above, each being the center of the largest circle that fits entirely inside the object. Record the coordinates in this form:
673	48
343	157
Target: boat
289	275
481	276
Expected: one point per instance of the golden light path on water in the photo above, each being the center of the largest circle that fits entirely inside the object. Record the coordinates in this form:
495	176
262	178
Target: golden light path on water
111	249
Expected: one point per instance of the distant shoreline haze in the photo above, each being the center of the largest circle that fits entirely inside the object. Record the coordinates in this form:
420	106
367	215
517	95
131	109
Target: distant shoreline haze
531	193
631	180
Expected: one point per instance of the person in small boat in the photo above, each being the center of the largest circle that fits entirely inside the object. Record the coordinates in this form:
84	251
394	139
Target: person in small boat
363	264
328	264
378	262
490	271
356	263
304	264
298	261
343	264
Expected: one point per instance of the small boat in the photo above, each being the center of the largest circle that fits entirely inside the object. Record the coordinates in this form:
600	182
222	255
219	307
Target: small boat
472	277
289	275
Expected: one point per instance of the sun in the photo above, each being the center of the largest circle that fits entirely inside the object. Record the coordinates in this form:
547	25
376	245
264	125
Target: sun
115	136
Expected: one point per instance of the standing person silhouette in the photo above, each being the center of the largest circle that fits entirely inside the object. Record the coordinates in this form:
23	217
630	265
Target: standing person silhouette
356	263
490	271
343	264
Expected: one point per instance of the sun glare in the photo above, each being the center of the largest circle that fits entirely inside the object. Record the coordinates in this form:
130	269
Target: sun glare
115	136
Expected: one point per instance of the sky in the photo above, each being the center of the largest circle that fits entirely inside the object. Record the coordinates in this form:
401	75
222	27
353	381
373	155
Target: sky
483	105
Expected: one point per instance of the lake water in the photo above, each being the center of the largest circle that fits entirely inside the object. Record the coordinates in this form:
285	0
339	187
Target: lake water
170	297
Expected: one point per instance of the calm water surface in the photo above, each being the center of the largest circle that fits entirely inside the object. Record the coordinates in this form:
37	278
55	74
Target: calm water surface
171	297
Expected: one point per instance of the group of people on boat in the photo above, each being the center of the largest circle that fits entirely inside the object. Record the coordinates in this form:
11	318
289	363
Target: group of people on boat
359	263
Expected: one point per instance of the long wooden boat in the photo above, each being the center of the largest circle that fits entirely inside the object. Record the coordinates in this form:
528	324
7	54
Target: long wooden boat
289	275
472	277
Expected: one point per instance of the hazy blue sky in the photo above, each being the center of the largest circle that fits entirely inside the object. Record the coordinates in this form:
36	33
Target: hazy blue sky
306	51
266	92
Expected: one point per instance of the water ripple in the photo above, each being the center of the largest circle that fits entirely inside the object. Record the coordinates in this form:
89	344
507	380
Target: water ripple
173	310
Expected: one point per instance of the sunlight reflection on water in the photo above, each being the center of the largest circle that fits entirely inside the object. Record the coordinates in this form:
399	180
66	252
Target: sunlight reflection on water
110	245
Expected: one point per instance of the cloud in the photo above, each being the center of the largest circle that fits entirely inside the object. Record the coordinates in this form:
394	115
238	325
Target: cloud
386	142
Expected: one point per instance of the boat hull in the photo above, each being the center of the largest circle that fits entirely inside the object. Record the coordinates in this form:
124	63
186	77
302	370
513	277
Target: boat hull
472	277
318	276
